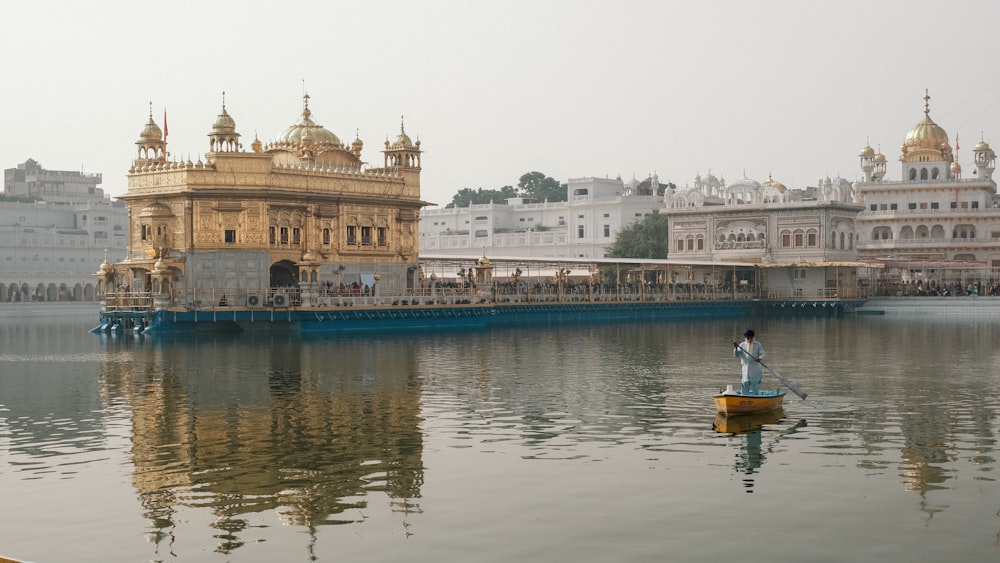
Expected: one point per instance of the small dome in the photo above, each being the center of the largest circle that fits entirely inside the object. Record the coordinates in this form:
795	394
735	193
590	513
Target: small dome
307	128
772	183
880	158
106	266
224	123
745	183
956	167
981	146
151	132
867	151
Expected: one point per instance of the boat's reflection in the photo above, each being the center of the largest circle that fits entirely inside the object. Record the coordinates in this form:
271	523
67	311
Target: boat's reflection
744	423
748	432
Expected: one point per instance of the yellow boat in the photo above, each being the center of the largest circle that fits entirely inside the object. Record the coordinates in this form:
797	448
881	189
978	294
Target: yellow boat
731	402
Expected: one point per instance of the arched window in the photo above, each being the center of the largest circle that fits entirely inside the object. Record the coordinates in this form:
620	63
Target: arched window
913	173
934	174
923	173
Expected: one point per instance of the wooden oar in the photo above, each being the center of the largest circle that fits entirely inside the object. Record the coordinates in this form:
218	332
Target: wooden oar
781	378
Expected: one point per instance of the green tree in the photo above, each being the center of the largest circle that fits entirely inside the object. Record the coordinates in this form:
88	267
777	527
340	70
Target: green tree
539	187
467	196
646	238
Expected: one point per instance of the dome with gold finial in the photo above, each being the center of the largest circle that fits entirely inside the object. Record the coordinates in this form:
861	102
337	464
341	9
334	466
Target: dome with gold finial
772	183
402	140
307	128
867	151
925	137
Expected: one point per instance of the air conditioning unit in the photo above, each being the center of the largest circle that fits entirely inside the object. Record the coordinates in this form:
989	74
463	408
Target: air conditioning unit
280	299
253	300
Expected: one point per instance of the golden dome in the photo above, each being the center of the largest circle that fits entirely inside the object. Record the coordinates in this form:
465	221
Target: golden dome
772	183
981	146
926	134
307	128
402	140
867	151
879	158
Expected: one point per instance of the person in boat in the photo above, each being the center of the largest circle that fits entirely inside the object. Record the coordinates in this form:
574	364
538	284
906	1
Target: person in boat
750	352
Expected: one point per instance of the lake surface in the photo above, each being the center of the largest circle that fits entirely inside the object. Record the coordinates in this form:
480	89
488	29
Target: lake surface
591	443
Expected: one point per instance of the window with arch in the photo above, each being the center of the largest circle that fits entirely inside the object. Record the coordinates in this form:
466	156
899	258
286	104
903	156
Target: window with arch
881	233
913	173
923	173
934	174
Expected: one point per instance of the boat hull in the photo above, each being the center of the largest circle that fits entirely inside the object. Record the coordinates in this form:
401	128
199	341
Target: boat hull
737	403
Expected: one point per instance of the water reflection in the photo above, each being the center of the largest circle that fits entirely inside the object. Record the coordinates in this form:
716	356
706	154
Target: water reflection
223	436
308	432
748	432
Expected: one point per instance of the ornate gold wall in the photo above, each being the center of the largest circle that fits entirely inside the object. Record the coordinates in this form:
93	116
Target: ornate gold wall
305	201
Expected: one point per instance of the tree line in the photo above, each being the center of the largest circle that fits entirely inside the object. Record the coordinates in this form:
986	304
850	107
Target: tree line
532	186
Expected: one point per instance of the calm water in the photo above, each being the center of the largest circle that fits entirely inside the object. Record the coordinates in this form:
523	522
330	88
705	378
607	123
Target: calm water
594	443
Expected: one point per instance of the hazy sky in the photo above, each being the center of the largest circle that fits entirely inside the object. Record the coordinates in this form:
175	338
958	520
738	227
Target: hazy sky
496	89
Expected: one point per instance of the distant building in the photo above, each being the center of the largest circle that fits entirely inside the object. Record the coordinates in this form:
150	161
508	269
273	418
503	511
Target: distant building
803	239
938	225
30	180
584	226
56	228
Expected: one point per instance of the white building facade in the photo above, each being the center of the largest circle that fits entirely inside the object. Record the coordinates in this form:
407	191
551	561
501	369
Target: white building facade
805	243
942	223
584	226
52	251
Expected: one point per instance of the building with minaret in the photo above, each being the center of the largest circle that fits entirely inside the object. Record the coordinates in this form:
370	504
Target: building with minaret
937	219
297	214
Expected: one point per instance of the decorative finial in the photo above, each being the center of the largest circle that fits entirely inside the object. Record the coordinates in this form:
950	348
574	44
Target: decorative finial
927	102
223	100
151	109
401	128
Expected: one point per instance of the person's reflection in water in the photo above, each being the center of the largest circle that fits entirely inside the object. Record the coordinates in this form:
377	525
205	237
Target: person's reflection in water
751	457
750	428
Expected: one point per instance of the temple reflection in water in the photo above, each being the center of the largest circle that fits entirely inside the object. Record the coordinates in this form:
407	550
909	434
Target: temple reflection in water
311	448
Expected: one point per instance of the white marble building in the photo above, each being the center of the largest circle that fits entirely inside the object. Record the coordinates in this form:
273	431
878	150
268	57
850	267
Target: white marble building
50	250
936	215
802	238
582	227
